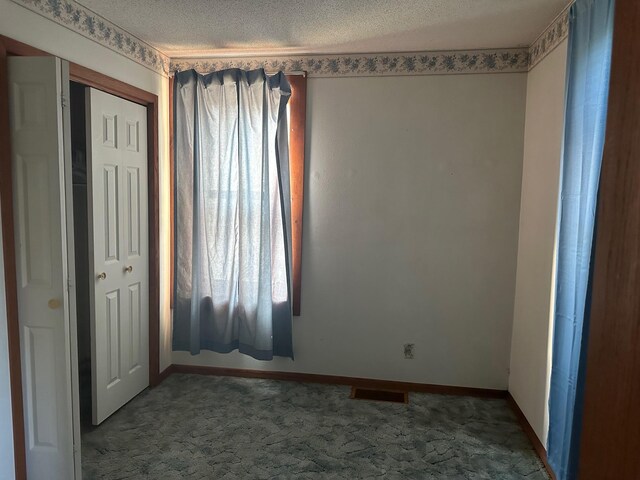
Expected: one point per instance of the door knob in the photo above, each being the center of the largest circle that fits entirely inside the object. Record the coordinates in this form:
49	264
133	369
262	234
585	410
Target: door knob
102	276
54	304
128	269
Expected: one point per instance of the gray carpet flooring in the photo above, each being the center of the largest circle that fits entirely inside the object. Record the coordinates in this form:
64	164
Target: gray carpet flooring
200	427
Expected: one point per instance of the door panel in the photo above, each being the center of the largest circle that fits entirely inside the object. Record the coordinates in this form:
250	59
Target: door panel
32	177
119	237
41	390
133	127
38	148
111	213
112	316
133	207
134	315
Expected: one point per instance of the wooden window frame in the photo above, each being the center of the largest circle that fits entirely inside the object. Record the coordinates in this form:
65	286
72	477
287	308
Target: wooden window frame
90	78
298	118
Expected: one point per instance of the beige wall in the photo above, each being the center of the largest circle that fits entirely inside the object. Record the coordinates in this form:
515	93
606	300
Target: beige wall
410	230
411	221
23	25
532	325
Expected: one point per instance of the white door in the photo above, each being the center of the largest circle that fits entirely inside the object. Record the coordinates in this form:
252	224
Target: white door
36	86
118	235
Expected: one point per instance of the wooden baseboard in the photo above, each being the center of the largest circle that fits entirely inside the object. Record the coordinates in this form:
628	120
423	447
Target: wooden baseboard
164	374
340	380
531	434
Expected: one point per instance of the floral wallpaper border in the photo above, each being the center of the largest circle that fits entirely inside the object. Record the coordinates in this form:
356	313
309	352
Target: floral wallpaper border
423	63
80	19
553	35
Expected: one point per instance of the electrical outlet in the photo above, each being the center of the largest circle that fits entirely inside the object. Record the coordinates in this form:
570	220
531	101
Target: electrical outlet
408	350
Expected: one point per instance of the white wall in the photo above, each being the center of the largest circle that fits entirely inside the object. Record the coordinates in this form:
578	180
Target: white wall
25	26
6	428
532	327
410	230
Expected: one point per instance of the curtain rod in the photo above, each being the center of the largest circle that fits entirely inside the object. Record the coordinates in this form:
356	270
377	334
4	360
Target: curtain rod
298	73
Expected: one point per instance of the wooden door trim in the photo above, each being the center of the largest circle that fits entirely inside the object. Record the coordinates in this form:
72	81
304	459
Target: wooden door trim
610	437
11	292
91	78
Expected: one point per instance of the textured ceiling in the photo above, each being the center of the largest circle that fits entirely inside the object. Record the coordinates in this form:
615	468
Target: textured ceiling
253	27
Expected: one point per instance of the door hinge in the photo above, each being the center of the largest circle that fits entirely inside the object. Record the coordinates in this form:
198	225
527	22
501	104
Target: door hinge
63	101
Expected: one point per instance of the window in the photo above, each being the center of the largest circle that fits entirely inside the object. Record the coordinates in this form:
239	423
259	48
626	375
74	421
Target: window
297	121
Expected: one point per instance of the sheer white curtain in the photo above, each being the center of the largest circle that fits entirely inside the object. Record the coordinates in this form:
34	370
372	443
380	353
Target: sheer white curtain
232	213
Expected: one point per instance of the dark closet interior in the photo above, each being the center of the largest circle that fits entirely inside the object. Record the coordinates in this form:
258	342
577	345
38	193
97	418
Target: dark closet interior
81	239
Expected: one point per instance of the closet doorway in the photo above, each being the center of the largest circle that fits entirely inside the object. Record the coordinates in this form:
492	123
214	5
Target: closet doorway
109	170
124	354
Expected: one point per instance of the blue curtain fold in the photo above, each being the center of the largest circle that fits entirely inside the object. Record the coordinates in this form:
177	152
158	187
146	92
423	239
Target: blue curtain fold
589	62
232	238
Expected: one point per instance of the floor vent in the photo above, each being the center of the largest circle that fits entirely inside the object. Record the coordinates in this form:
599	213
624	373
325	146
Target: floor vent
379	395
